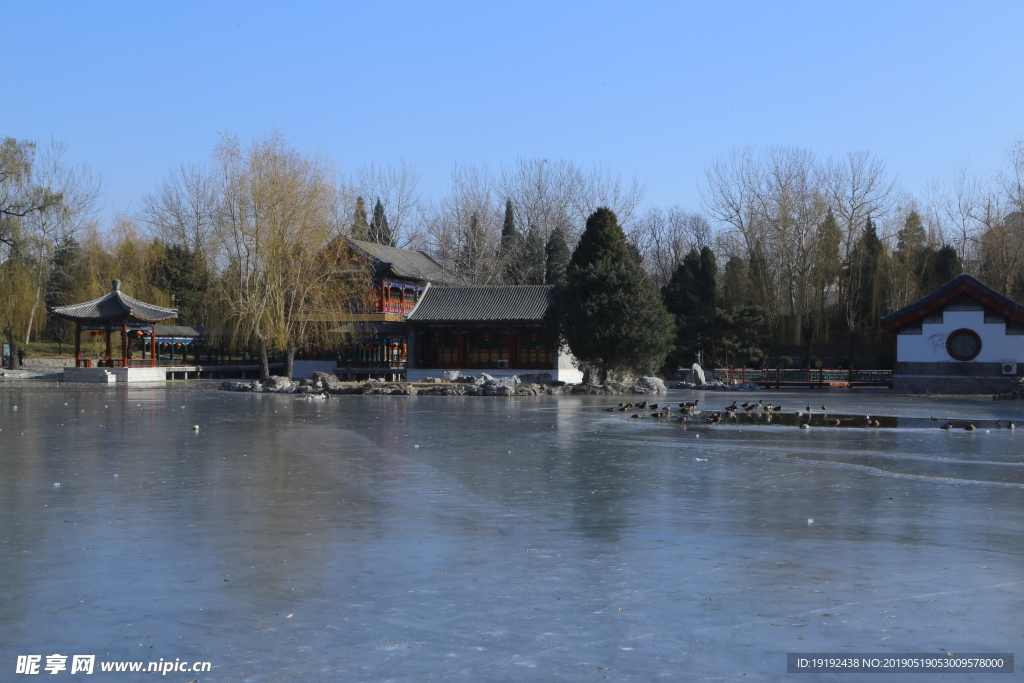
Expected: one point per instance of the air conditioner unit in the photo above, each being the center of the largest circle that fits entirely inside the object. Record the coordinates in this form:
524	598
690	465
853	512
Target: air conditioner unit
1009	368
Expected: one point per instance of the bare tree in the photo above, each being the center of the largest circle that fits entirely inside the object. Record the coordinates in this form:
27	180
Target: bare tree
183	210
276	217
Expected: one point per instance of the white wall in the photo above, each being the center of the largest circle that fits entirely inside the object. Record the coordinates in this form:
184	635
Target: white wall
930	347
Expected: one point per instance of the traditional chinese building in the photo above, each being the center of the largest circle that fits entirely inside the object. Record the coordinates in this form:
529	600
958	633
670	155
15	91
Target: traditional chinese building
964	337
136	355
497	330
376	329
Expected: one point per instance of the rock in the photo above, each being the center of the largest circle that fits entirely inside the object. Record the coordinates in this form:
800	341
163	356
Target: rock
652	385
323	380
468	379
510	382
281	385
744	386
539	378
432	380
451	376
696	375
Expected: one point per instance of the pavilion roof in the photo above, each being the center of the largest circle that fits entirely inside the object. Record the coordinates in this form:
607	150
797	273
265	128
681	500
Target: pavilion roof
519	303
114	307
961	285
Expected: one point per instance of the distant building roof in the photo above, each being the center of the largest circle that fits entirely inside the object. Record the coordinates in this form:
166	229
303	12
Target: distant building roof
402	262
526	303
960	285
114	307
185	331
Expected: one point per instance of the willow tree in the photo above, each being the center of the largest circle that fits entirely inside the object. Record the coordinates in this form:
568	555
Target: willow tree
274	222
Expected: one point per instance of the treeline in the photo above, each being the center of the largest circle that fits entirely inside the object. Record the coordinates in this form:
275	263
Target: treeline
791	258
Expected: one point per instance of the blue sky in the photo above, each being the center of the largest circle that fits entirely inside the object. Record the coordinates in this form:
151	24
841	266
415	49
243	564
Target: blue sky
654	89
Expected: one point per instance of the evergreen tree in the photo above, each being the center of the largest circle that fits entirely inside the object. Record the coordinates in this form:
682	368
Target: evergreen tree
608	310
534	257
360	225
511	248
735	285
690	297
379	230
943	265
557	255
67	275
184	275
602	240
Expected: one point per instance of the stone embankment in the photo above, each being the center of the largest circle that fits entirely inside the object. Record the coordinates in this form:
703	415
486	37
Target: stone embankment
461	385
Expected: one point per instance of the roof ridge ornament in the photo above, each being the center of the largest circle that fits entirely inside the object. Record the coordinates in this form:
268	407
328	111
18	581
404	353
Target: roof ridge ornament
117	285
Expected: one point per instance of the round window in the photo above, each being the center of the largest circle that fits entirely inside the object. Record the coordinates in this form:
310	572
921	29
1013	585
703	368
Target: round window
963	344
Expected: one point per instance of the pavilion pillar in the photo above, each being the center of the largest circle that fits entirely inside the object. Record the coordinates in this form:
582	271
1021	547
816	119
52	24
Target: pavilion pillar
152	347
124	346
78	344
106	334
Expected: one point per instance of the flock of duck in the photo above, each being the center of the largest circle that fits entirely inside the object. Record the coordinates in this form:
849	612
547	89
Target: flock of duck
690	411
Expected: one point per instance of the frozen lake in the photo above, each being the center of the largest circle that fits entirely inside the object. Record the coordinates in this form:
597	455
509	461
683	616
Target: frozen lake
372	538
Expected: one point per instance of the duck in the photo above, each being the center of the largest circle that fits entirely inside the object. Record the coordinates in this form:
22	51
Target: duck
946	427
824	409
868	422
808	408
999	424
970	428
636	416
805	425
777	409
835	423
642	406
612	409
714	419
654	406
1009	425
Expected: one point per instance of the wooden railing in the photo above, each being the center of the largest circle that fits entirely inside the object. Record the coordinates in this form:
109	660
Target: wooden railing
805	377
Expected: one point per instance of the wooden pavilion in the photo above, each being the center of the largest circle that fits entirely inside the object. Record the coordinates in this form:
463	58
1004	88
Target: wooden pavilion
135	320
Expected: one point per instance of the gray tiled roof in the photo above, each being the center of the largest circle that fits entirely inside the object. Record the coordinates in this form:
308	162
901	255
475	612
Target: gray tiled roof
961	283
116	306
482	304
404	262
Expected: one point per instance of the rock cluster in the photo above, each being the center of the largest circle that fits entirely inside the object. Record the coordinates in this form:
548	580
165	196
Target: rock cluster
464	385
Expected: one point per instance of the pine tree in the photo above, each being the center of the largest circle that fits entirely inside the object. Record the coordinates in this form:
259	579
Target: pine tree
360	226
379	230
557	256
602	240
735	285
608	310
534	257
510	250
183	273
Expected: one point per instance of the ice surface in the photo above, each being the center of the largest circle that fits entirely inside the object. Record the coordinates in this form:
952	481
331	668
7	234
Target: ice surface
375	538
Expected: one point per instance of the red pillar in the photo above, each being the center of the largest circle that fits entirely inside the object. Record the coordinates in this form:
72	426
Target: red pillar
124	346
78	345
152	347
106	334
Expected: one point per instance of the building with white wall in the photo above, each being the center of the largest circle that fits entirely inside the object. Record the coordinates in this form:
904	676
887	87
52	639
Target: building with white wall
962	338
